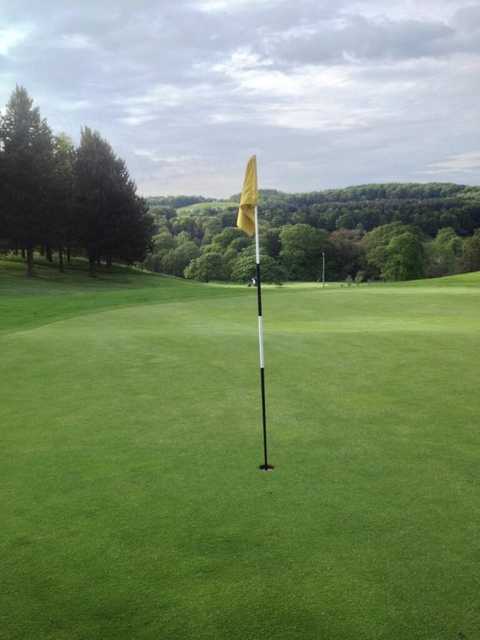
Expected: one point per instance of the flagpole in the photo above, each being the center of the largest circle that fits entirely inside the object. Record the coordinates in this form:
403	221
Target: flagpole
265	466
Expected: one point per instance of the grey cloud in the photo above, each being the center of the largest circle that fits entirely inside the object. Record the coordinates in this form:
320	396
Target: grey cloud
361	38
467	18
334	93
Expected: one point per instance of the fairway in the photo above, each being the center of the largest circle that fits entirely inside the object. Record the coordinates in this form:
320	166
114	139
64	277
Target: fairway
131	502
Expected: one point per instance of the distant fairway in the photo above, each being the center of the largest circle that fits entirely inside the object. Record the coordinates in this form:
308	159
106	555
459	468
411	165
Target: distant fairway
131	505
201	208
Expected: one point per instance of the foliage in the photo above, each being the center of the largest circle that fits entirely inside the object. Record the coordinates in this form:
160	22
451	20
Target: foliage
113	221
342	223
471	255
28	166
209	266
302	249
244	269
376	245
56	197
444	253
177	260
404	257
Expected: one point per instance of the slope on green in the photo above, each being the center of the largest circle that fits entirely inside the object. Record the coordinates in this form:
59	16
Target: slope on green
131	502
75	294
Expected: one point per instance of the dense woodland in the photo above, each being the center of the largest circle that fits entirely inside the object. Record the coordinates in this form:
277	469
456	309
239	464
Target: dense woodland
378	231
60	200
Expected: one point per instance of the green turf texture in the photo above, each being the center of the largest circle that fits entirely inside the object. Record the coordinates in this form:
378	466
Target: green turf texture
131	506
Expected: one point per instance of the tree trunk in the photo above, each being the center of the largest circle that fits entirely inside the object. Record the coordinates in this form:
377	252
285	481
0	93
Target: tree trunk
24	256
30	272
48	253
68	255
109	262
92	270
42	250
60	260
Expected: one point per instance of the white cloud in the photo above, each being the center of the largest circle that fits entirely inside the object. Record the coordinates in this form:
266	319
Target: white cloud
159	157
313	97
11	37
459	163
212	6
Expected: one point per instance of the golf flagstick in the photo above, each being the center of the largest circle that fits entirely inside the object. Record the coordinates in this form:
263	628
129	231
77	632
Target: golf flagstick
265	466
247	221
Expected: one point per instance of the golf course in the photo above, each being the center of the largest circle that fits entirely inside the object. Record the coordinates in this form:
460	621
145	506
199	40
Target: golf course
131	502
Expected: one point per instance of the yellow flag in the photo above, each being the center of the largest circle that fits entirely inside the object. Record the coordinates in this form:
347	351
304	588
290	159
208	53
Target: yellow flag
248	199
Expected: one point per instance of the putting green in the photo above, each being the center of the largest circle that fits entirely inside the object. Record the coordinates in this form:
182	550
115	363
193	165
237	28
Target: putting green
131	503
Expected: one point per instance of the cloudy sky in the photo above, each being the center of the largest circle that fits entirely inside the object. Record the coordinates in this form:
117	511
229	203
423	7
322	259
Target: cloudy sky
326	92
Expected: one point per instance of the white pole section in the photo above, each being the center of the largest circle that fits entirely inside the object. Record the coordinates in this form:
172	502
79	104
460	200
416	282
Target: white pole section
259	284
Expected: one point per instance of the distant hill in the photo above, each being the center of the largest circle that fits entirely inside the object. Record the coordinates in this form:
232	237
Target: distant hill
429	206
207	208
175	202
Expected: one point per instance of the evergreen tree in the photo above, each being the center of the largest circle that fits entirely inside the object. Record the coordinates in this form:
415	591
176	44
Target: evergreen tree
112	221
62	232
27	169
5	242
92	187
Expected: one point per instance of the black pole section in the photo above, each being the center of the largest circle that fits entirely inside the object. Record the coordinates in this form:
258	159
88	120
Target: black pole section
265	466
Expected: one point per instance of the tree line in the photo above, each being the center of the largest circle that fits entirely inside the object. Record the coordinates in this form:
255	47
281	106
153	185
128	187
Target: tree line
390	232
64	200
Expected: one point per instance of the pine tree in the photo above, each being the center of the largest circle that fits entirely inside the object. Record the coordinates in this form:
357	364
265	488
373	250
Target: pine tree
93	182
62	228
112	221
27	146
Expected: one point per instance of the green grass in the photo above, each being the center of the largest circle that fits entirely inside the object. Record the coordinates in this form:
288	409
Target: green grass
203	207
131	504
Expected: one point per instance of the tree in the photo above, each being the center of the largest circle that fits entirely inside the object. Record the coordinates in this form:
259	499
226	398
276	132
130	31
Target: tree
113	222
404	258
209	266
5	241
62	233
271	243
347	255
93	184
27	168
163	242
302	248
177	260
375	244
230	234
444	253
471	252
244	269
